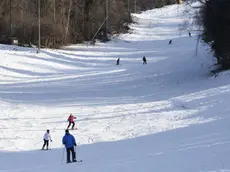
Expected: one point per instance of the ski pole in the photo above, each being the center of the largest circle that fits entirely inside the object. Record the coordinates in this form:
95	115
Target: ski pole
50	145
75	151
63	155
38	142
75	148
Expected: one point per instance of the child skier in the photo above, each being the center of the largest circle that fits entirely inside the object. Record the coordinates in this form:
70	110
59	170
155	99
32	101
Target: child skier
71	121
46	139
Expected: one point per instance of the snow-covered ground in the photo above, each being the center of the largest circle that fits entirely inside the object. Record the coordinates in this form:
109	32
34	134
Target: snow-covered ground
170	115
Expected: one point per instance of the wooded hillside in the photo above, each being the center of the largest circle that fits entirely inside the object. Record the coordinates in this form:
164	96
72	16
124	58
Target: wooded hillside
67	21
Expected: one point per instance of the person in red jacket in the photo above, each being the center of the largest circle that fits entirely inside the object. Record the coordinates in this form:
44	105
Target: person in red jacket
71	121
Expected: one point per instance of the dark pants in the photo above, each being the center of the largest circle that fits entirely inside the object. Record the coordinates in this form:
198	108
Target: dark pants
70	125
68	150
46	143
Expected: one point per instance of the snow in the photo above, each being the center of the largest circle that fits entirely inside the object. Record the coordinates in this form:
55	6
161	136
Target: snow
170	115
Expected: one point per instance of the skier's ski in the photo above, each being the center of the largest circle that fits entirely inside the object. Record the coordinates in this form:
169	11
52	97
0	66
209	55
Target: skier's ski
73	129
44	149
74	161
77	161
66	129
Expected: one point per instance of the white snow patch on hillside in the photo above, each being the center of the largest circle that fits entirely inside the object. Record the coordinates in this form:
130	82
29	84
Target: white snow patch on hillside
167	116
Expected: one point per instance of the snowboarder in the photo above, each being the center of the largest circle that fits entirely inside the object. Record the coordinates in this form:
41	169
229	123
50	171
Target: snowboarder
69	141
144	60
118	61
170	41
46	139
71	121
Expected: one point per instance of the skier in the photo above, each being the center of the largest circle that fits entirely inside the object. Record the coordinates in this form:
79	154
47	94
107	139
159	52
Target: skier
118	61
71	121
170	41
46	139
144	60
69	141
93	42
190	35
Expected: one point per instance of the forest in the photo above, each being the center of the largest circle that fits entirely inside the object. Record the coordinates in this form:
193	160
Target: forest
214	17
63	22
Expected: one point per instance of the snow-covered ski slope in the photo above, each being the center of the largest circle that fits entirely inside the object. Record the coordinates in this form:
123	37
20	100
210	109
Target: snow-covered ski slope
170	115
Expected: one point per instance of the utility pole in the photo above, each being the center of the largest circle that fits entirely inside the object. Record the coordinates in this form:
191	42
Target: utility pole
39	27
54	11
135	6
106	18
107	12
10	19
129	10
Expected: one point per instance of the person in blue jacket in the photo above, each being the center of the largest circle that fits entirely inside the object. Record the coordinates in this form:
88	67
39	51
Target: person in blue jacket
69	141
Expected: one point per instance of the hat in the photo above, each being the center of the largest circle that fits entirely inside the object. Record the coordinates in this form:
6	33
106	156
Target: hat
67	131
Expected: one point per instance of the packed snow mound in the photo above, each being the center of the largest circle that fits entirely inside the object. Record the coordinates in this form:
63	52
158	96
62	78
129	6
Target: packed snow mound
167	115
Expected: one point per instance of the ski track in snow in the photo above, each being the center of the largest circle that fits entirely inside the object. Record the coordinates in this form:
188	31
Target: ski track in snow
167	116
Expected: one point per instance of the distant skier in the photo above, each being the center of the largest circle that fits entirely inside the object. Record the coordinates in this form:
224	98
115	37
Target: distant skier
189	33
144	60
170	42
93	42
118	61
46	139
71	121
69	141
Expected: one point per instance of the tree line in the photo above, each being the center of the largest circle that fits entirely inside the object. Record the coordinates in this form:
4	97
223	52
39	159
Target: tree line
214	16
68	21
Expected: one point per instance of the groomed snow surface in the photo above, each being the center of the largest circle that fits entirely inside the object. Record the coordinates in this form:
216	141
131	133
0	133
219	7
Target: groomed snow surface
170	115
